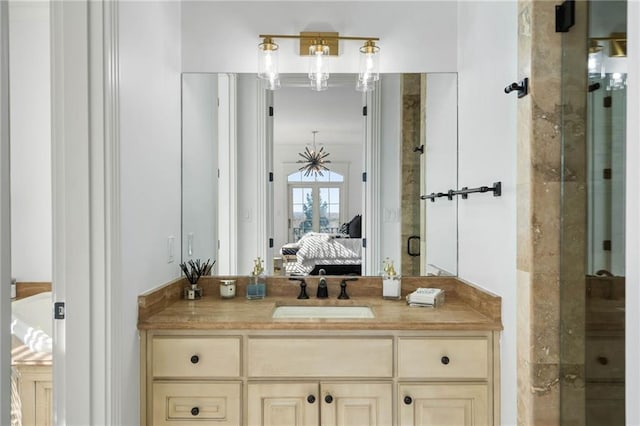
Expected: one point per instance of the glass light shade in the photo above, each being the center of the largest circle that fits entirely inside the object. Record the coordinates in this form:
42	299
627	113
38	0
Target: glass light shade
364	85
369	62
319	84
268	60
318	64
273	84
595	60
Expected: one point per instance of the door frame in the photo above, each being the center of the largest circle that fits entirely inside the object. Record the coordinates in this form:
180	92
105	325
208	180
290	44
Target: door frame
86	211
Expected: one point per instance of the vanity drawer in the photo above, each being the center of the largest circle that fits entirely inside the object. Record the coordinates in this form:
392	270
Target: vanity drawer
196	356
442	357
314	357
604	358
193	403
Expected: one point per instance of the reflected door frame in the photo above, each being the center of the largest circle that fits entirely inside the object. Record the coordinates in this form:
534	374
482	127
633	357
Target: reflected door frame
371	217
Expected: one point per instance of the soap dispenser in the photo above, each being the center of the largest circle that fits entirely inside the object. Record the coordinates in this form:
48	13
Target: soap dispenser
391	285
257	287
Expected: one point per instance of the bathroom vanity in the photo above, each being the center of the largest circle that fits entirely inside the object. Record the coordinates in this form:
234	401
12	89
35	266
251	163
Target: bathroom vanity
230	362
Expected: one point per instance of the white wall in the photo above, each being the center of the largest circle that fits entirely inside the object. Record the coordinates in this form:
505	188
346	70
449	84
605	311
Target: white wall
200	167
149	38
632	311
487	61
30	88
247	191
414	36
390	160
441	174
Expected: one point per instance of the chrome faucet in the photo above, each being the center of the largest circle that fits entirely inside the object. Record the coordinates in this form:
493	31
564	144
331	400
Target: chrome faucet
322	292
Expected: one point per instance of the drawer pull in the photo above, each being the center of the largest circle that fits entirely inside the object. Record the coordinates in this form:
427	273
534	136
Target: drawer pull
328	399
408	400
195	359
311	399
603	360
444	360
195	411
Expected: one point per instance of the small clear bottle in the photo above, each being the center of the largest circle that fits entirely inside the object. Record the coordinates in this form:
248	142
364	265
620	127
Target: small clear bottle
257	285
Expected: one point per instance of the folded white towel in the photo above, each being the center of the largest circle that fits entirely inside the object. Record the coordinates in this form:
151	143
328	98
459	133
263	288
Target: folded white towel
426	297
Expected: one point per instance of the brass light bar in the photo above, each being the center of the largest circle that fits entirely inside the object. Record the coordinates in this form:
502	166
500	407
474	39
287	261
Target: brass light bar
312	38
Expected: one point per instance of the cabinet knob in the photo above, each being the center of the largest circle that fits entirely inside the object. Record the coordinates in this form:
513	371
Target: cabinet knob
444	360
408	400
311	399
195	359
195	411
328	399
603	360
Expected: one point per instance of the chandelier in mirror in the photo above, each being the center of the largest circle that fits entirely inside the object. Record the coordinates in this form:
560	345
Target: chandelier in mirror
319	46
314	159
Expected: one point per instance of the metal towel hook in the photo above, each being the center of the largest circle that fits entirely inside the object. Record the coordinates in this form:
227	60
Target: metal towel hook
522	87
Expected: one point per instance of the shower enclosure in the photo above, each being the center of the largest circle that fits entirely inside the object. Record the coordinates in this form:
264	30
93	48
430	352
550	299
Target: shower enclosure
592	227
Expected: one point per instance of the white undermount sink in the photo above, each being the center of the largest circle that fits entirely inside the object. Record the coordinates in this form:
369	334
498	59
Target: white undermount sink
306	312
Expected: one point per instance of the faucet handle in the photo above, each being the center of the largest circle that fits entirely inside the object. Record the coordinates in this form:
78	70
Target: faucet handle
303	288
343	290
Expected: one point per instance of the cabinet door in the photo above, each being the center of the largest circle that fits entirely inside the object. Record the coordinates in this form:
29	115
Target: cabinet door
356	404
443	405
188	403
283	404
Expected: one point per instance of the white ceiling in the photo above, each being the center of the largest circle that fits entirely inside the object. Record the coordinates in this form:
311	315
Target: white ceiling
335	113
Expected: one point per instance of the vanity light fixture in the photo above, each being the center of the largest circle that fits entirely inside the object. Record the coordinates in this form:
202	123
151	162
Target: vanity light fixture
314	159
319	46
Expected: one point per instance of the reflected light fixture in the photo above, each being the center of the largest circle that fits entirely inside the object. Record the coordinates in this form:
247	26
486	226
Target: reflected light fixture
609	61
319	46
314	159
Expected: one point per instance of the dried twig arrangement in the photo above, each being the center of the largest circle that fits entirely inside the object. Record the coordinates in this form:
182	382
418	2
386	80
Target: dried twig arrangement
194	270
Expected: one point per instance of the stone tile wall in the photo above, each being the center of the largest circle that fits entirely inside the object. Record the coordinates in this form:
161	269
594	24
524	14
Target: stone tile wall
550	258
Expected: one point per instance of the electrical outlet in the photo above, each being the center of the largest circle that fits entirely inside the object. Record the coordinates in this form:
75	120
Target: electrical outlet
170	247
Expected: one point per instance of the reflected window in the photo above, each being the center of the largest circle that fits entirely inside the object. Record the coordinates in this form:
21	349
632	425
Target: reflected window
315	203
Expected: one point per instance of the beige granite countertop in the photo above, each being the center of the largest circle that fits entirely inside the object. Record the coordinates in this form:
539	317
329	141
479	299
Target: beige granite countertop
466	307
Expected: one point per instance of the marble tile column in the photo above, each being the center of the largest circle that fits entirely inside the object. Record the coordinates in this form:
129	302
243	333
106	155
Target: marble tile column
551	217
411	138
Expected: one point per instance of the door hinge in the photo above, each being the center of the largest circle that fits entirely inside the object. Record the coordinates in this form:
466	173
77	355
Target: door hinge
565	16
606	174
606	245
364	176
270	176
364	243
58	310
270	111
270	242
364	110
607	101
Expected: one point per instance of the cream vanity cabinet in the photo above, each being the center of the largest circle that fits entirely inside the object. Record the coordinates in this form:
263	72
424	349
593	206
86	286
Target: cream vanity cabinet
192	379
319	377
444	381
356	388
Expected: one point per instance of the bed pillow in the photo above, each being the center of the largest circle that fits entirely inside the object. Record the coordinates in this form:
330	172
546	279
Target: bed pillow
355	227
344	229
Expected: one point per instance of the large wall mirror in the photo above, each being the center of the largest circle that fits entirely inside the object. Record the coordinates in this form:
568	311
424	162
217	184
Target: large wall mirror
249	189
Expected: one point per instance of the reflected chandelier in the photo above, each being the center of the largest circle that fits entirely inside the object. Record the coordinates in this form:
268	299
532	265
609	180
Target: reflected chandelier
318	46
314	160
